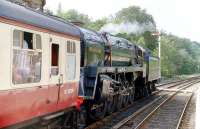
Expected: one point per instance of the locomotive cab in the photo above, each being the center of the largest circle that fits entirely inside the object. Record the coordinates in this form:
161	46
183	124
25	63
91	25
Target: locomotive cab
92	57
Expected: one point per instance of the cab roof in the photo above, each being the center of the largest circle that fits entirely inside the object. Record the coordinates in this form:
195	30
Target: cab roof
91	35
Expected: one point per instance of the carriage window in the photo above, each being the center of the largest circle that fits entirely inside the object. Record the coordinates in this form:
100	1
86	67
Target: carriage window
74	47
71	61
68	46
27	61
54	59
38	42
17	35
71	47
28	40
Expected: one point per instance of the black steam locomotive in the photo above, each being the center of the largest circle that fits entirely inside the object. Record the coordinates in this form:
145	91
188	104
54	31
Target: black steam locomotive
114	72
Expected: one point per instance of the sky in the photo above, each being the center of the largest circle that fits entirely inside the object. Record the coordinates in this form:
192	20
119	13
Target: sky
179	17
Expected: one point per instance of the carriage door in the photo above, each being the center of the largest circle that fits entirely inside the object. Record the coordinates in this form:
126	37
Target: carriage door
56	78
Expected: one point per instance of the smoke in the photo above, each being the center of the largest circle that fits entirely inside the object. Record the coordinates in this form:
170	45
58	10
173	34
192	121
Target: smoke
129	28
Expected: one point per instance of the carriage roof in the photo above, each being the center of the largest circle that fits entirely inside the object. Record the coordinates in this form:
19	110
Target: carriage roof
26	15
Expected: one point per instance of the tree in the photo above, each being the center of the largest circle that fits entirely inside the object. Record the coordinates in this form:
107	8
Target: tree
132	14
59	11
74	16
145	23
98	24
179	56
151	41
48	11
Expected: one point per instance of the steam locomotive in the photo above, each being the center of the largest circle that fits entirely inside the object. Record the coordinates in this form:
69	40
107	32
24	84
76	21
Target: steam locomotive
114	72
52	69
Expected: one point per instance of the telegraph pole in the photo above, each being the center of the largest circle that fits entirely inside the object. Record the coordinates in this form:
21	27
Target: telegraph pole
158	34
159	45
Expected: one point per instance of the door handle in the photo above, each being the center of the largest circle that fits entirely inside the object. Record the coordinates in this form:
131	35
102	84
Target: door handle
60	79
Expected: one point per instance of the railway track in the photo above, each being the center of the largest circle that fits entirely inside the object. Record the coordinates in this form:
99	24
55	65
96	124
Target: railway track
189	117
177	81
135	116
164	113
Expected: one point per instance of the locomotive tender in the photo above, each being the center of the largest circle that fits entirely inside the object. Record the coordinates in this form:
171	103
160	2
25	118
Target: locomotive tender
49	65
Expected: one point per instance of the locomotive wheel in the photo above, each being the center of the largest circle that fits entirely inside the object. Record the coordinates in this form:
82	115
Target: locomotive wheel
125	100
119	102
149	88
145	91
110	106
70	121
153	87
131	96
99	112
115	102
82	118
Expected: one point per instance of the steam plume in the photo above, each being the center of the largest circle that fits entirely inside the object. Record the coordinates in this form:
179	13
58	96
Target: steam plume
129	28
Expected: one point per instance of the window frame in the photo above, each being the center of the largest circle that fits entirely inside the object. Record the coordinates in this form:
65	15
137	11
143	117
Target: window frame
58	63
34	50
21	37
72	52
35	40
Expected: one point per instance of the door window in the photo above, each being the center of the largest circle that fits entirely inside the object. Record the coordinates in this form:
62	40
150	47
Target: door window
71	61
54	59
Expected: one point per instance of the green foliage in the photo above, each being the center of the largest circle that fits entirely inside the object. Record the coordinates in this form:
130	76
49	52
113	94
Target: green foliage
134	14
151	41
98	24
73	15
48	11
136	39
179	56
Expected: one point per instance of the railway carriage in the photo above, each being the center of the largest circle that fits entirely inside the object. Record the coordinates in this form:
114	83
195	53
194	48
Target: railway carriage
40	69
